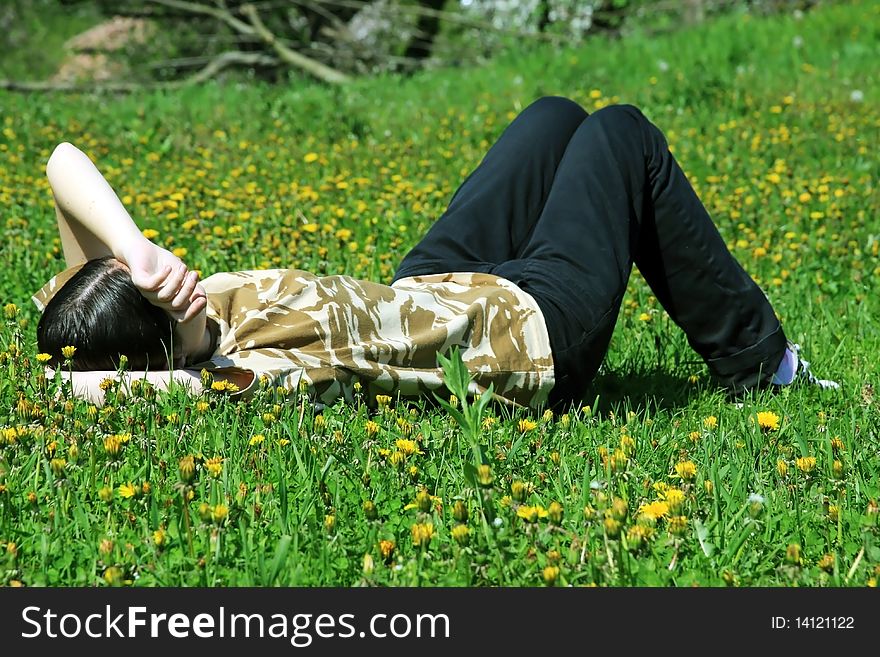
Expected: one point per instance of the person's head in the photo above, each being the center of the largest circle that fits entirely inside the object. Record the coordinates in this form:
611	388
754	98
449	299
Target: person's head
101	313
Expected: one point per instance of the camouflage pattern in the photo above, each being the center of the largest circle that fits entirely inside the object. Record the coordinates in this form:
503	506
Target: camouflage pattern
330	332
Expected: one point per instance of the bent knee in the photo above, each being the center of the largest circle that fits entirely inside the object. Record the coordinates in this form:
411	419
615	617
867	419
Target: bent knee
561	109
622	114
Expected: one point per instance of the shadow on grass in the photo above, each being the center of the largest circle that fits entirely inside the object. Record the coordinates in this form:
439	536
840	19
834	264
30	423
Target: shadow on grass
640	391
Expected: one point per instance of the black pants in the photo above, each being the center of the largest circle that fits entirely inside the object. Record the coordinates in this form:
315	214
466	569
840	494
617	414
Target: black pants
563	204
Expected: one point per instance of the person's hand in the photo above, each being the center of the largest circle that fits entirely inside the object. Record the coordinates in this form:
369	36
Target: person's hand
165	281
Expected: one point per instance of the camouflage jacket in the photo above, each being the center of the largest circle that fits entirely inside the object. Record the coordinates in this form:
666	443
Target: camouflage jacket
329	333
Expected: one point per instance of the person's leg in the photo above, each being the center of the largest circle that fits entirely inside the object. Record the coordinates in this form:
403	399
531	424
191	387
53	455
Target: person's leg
619	197
493	212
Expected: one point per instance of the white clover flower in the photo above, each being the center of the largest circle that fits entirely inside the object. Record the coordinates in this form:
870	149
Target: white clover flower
857	95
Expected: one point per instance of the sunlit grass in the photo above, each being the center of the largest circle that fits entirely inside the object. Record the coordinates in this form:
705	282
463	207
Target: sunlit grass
656	479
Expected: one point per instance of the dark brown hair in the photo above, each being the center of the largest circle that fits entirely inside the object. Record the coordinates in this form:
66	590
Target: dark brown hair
101	313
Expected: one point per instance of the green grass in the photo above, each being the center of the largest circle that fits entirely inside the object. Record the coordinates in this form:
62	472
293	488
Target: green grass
780	142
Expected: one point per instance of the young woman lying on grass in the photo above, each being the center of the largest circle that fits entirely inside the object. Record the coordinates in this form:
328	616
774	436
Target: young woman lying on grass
525	272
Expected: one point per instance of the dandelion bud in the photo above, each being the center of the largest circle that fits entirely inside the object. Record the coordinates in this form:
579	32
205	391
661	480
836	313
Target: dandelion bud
589	512
422	533
386	549
806	464
187	469
58	467
461	534
484	475
160	538
10	310
550	574
619	509
73	452
838	469
219	513
678	525
68	352
555	512
460	511
519	490
637	535
612	527
105	547
453	401
729	578
674	499
555	458
114	576
329	523
205	512
782	468
709	486
826	563
423	501
793	554
370	510
368	565
105	494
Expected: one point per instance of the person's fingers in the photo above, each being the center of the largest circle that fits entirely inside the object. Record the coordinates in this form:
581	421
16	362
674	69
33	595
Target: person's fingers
154	282
172	284
198	305
183	296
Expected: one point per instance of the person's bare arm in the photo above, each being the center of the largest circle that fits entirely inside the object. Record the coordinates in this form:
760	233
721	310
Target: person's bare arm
93	223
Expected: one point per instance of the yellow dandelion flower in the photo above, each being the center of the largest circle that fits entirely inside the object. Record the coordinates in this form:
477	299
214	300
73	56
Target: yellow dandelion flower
686	470
531	513
310	157
654	510
214	466
407	447
44	358
826	563
371	427
768	421
710	422
256	439
224	386
68	351
128	490
525	425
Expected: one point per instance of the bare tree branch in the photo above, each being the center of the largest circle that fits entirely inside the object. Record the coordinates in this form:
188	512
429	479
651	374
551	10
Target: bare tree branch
311	66
220	13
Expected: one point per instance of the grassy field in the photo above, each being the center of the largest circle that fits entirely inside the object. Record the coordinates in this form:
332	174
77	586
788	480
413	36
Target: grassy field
657	479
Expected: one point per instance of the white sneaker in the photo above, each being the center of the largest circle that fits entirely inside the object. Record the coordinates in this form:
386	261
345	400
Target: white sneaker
799	371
